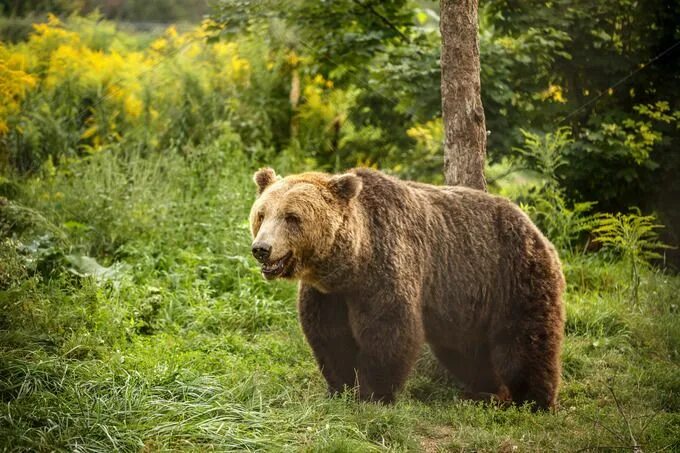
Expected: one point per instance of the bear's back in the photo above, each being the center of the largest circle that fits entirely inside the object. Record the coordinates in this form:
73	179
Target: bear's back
467	248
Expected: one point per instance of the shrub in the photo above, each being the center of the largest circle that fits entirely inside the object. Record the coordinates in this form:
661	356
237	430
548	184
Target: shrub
634	237
75	88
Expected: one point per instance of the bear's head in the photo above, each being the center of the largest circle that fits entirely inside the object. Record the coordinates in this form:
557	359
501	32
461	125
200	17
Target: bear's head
295	220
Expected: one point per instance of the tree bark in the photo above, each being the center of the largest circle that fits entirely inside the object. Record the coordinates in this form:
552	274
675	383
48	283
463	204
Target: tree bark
462	110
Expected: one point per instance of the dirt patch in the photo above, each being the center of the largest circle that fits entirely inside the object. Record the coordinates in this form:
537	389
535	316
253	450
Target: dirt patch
435	438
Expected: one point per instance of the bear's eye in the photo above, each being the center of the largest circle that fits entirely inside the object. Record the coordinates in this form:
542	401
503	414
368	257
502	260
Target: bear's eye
292	219
260	217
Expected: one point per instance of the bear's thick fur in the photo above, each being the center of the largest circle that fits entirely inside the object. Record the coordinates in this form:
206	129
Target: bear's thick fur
386	265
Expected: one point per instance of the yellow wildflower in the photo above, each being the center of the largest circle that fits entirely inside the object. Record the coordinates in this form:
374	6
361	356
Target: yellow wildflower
14	85
506	42
554	93
171	32
240	68
292	58
133	106
159	45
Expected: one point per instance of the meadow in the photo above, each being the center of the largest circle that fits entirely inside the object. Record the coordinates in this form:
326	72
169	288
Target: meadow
133	318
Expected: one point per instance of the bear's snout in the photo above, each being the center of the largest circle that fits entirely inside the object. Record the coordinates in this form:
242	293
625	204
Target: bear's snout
261	251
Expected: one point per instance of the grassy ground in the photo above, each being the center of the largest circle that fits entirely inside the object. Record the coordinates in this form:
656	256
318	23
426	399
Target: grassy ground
172	340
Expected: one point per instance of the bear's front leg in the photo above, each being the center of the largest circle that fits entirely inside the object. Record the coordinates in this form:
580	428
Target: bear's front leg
390	337
325	323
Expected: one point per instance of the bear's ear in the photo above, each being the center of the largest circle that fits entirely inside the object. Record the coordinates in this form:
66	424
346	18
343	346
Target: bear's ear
345	186
263	178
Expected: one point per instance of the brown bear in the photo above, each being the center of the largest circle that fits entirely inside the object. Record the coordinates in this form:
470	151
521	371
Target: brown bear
385	265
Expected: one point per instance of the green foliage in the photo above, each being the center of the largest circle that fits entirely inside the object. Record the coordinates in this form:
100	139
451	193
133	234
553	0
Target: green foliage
354	30
634	236
382	58
545	153
382	61
185	347
134	10
563	222
131	316
80	86
590	71
544	65
25	7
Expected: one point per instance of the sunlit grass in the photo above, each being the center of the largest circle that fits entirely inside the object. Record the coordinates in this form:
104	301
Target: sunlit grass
186	347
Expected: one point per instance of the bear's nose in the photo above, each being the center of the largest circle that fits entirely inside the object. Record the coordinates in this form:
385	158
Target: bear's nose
261	251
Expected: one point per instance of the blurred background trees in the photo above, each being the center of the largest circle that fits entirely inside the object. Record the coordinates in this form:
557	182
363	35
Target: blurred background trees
605	70
131	317
331	85
130	10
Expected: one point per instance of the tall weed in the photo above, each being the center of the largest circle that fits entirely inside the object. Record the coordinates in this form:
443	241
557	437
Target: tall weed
635	238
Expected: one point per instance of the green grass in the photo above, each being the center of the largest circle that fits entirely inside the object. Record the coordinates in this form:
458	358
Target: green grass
172	340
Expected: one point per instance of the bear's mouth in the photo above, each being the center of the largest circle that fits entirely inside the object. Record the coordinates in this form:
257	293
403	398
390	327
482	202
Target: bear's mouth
281	267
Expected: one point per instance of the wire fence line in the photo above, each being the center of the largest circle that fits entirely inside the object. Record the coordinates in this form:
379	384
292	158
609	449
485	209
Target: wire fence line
130	24
640	67
114	87
117	88
357	78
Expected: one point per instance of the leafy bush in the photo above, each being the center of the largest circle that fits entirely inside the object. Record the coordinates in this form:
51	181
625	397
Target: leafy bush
565	225
545	153
634	237
171	340
132	318
72	91
545	200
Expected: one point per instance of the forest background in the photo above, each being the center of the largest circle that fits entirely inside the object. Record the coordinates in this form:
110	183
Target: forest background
131	315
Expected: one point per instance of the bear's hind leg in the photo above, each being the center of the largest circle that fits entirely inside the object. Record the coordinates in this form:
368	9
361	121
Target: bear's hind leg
530	370
473	371
326	326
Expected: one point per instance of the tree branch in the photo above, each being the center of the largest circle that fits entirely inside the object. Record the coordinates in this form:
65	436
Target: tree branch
384	19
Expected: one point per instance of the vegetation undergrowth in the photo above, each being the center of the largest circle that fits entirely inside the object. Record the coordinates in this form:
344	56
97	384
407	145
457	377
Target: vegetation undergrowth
132	318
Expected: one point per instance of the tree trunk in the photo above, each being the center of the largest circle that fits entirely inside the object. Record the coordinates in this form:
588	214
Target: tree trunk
463	114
